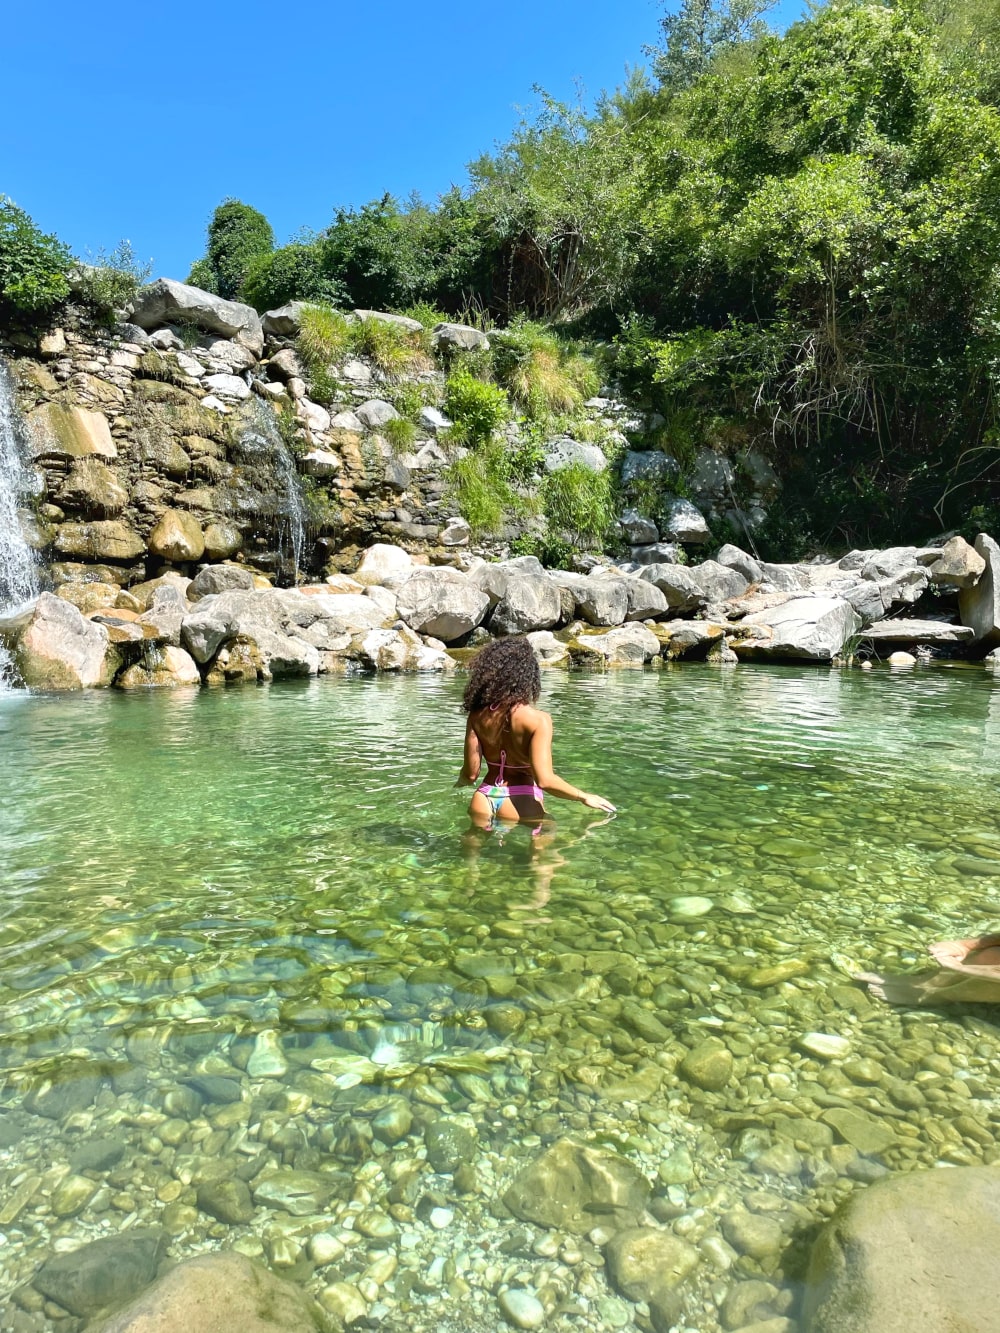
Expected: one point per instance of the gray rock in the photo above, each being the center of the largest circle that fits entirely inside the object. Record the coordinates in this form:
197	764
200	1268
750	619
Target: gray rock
167	302
718	582
659	553
529	602
56	648
213	579
375	413
638	531
320	463
626	645
297	1192
456	532
649	465
682	522
286	321
889	564
642	1261
459	338
450	1144
811	629
979	606
682	592
433	419
396	475
97	1154
915	1251
645	600
600	601
383	317
226	1200
958	565
753	1234
711	476
441	602
918	631
562	452
493	576
102	1273
785	578
733	558
551	651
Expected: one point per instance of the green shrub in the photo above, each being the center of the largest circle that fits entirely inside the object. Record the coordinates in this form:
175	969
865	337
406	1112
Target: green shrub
400	434
478	409
237	235
428	314
541	375
554	552
481	488
324	336
293	273
389	347
109	285
409	397
33	265
580	503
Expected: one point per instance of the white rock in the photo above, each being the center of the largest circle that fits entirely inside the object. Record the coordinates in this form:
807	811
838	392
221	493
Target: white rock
267	1060
521	1308
381	560
825	1045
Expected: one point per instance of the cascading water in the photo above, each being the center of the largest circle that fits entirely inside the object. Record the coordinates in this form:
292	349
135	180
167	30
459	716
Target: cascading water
266	491
18	573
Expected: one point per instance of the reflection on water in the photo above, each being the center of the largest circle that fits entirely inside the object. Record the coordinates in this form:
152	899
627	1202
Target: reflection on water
278	888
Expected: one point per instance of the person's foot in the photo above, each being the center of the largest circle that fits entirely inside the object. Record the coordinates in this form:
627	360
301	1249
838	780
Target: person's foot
894	990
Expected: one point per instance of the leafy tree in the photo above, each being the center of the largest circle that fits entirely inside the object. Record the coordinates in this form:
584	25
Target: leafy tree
698	32
380	254
33	265
292	273
237	235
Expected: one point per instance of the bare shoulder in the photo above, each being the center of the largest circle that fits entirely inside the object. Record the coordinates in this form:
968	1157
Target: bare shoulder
532	719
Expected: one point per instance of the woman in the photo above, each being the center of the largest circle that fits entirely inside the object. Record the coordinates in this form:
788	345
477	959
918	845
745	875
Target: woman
969	973
514	738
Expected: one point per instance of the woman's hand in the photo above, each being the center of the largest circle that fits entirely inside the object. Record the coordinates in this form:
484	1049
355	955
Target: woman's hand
599	803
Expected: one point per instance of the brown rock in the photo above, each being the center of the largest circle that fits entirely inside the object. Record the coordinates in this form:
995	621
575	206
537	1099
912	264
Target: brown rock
916	1251
218	1293
177	537
59	650
59	431
222	540
89	597
646	1262
93	489
959	565
161	668
574	1187
105	539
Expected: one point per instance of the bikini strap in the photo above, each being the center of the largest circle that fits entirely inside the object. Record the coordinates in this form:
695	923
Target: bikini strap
503	760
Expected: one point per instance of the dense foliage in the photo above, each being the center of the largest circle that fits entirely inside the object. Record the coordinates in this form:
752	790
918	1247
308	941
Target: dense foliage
33	266
238	237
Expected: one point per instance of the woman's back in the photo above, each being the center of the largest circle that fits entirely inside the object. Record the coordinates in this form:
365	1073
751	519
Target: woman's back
506	734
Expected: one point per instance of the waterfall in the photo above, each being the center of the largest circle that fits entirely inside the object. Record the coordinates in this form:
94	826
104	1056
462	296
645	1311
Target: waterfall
266	490
18	582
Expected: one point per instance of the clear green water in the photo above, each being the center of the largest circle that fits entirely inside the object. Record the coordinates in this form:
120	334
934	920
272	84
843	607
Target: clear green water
181	871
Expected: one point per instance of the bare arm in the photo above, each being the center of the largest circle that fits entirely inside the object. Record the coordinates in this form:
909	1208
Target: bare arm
546	776
473	760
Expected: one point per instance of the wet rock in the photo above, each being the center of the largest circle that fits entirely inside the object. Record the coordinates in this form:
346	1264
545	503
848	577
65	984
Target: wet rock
103	1273
267	1059
709	1066
295	1192
218	1292
521	1309
345	1302
177	537
97	1155
752	1234
449	1144
642	1261
72	1195
979	606
160	668
861	1130
748	1303
825	1045
227	1200
57	649
575	1187
393	1122
915	1251
61	433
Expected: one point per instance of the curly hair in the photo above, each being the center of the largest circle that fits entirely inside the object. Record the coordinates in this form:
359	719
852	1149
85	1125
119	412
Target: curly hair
502	675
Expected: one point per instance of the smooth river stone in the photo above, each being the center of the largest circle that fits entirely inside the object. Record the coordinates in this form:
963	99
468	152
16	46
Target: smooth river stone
709	1066
691	907
227	1201
267	1060
521	1309
296	1192
860	1130
825	1045
72	1195
751	1234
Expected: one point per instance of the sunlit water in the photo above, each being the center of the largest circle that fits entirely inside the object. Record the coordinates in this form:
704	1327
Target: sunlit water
183	870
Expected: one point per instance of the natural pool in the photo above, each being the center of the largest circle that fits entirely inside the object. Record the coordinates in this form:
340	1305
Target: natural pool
247	936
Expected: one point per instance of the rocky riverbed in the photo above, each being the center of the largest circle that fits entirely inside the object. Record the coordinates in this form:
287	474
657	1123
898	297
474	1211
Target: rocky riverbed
427	1099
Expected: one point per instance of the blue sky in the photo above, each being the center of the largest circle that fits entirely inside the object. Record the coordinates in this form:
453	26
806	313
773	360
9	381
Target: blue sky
135	120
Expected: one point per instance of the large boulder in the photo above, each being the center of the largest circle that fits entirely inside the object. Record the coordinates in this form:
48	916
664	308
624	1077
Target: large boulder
177	537
104	539
601	601
261	617
638	531
285	321
958	565
398	650
494	576
648	465
60	433
915	1251
683	522
58	649
626	645
563	452
913	632
808	629
574	1187
160	669
682	592
442	603
218	1293
979	606
382	560
718	582
92	489
645	600
219	578
167	302
529	602
734	558
459	338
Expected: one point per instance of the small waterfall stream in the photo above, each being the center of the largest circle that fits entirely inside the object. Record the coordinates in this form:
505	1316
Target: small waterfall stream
267	489
18	573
